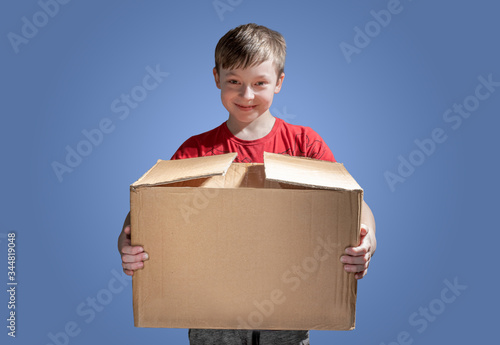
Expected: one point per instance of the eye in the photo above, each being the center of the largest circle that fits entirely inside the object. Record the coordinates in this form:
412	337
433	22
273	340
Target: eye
232	81
261	83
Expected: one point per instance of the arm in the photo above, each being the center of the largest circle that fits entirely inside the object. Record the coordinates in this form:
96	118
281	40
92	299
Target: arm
357	259
132	256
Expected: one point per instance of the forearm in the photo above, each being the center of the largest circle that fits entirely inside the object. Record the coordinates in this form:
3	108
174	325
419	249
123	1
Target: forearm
368	219
123	235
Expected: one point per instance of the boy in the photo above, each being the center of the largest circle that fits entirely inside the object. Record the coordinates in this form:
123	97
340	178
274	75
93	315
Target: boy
249	70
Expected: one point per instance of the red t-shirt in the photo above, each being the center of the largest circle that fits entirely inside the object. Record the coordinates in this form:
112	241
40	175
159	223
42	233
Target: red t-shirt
284	138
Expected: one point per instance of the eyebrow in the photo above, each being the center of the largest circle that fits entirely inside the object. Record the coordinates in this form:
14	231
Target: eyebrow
229	74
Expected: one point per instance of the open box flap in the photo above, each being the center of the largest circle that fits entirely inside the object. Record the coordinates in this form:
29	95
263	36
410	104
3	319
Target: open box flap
308	172
169	171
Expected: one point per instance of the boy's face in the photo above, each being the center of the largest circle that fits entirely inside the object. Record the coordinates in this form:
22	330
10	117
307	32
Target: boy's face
248	93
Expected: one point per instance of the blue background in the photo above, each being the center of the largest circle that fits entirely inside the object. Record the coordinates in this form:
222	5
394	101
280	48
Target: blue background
439	224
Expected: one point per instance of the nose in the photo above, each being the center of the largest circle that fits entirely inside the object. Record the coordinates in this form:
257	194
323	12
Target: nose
247	93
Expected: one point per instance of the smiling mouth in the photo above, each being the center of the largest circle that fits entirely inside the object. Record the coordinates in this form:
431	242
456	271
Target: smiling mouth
245	107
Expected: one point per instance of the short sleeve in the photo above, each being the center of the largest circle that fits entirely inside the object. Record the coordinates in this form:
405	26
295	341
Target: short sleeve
189	149
316	146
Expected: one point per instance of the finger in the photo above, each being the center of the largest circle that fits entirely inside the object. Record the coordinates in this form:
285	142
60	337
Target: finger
355	268
361	275
132	266
356	260
128	272
133	250
364	230
135	258
127	229
361	250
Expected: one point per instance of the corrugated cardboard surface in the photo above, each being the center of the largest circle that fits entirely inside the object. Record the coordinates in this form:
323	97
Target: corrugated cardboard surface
240	256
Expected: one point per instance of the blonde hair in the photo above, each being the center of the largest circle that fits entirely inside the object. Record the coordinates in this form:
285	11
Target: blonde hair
250	45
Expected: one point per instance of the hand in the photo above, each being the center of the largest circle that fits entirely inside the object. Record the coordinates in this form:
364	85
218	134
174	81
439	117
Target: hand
132	256
357	259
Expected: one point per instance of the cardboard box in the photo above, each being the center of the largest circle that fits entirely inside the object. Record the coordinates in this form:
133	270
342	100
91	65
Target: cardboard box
253	246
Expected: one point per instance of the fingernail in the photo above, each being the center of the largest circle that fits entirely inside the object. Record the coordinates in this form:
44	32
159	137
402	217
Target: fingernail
145	256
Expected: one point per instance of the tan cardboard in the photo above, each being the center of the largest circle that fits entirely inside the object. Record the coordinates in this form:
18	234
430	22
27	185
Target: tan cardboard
252	246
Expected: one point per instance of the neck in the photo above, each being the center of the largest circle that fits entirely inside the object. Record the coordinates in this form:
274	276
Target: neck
258	128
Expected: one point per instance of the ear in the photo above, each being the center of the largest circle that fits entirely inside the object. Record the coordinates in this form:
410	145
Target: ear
279	83
217	78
